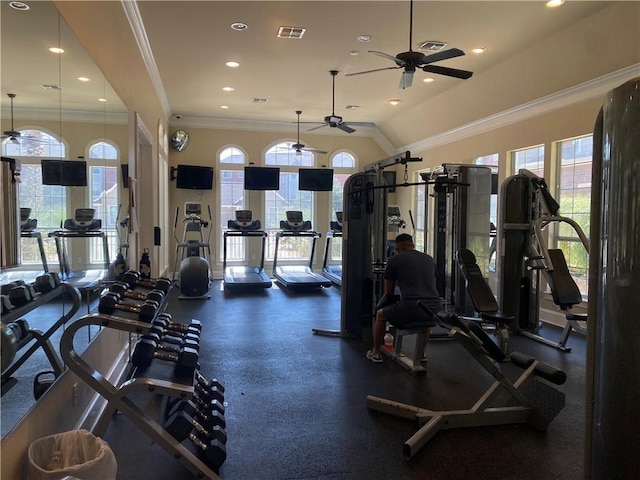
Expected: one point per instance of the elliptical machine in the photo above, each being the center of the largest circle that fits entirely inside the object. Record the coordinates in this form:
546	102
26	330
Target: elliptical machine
193	253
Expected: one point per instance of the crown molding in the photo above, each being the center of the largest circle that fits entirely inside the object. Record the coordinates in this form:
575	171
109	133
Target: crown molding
53	115
139	32
564	98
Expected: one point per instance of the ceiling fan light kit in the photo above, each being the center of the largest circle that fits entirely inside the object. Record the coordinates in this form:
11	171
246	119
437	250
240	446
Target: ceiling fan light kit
412	60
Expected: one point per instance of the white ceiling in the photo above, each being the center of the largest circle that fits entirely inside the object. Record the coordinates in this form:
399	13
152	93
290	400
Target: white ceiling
191	40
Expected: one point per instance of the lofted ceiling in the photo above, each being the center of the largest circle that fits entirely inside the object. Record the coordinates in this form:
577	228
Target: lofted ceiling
190	41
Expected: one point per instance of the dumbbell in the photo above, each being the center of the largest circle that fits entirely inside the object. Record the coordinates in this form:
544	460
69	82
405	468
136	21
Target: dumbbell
170	343
212	413
186	359
166	320
212	452
132	278
181	423
161	330
201	379
6	303
123	290
109	303
208	393
12	334
46	282
21	294
6	288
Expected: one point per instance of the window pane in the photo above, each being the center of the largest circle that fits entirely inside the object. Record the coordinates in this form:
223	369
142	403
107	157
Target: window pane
531	159
232	198
34	143
343	160
491	160
104	198
103	151
283	154
232	155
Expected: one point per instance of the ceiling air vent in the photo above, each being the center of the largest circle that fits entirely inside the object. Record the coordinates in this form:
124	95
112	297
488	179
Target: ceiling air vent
291	32
432	45
352	107
259	100
51	87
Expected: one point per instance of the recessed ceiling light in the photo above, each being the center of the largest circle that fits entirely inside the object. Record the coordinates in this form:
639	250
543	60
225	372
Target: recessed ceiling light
56	50
364	38
224	106
352	107
228	89
19	6
554	3
84	79
479	50
428	80
394	101
353	53
239	26
102	99
232	64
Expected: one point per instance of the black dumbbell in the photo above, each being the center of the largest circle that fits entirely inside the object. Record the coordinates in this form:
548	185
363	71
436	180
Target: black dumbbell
186	359
12	334
132	278
181	423
109	303
189	334
7	287
21	294
172	344
46	282
123	290
201	379
6	303
212	452
166	321
208	393
212	412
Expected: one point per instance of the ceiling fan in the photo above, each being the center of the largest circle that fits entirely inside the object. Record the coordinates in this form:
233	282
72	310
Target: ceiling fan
13	135
300	147
335	121
411	60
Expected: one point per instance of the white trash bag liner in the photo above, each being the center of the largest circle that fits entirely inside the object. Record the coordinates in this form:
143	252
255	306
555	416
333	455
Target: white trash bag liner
74	454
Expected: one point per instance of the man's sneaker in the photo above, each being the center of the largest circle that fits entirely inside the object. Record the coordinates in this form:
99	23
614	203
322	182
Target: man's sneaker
374	357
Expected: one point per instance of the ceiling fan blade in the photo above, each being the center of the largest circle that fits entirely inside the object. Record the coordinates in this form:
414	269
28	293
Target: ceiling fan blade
345	128
361	124
315	128
407	79
314	150
450	72
370	71
386	55
443	55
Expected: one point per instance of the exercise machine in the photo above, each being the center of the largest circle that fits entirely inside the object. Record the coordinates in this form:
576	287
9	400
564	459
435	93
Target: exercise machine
530	401
394	224
119	265
237	277
333	271
527	209
298	277
28	230
193	253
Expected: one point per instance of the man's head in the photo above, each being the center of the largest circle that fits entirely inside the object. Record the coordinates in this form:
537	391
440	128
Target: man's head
404	242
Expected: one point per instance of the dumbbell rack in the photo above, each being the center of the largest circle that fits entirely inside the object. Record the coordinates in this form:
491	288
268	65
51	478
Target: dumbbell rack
120	398
41	339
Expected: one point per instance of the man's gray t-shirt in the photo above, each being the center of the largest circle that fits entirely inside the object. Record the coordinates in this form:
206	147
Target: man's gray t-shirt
414	273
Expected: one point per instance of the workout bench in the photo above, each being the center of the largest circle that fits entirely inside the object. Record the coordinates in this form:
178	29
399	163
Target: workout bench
412	363
532	402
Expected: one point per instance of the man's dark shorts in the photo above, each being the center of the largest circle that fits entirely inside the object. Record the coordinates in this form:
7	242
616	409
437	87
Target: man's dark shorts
408	312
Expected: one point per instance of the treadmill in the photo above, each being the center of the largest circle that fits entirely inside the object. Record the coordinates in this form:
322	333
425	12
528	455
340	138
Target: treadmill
333	271
298	277
240	277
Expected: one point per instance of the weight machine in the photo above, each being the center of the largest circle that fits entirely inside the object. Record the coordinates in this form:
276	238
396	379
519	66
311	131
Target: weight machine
331	270
193	253
526	210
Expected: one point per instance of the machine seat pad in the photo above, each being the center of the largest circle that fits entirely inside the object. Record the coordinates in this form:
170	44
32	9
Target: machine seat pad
543	370
497	317
411	328
479	291
564	290
489	346
579	317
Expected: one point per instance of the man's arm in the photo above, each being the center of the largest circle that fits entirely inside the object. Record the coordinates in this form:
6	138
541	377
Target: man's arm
389	287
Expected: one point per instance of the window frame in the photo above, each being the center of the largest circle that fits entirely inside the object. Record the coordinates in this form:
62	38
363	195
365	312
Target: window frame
238	246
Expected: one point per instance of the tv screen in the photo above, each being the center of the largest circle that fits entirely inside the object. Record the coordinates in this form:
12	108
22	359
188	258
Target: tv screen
261	178
194	177
74	173
125	175
315	179
390	178
51	172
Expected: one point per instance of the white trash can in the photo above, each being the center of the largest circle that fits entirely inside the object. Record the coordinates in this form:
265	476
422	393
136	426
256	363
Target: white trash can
74	454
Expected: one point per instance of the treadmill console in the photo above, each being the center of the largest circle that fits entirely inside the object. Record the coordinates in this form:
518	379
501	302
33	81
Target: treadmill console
295	222
27	224
193	208
83	220
244	222
336	226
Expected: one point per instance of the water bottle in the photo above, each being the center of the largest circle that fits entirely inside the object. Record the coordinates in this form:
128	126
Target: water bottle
388	341
145	264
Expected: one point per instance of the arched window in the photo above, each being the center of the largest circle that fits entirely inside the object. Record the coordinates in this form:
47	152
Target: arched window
344	165
48	203
231	161
276	204
104	182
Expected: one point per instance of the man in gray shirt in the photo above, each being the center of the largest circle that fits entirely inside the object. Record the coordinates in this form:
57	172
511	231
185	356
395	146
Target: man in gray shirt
414	273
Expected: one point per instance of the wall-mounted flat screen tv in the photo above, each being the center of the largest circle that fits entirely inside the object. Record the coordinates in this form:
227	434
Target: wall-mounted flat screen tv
390	178
261	178
51	172
315	179
194	177
124	168
74	173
